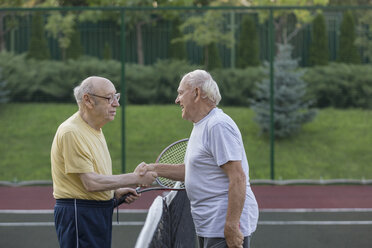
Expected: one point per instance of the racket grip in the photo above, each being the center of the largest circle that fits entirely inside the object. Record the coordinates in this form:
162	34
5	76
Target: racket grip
121	200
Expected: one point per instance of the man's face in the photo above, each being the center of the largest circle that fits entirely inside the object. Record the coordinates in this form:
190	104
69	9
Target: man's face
186	100
104	108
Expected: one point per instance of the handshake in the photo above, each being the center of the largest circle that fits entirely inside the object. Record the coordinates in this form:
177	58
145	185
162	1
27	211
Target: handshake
145	174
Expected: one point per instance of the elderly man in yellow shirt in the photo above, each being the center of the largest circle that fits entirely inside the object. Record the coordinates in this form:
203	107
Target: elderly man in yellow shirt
83	184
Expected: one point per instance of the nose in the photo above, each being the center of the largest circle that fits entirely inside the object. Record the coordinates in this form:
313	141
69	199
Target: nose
177	101
115	103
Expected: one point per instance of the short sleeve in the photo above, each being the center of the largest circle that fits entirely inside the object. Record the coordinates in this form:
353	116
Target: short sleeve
225	144
76	154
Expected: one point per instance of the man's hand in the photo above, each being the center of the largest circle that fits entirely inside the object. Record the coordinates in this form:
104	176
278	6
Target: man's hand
142	168
234	237
145	174
130	198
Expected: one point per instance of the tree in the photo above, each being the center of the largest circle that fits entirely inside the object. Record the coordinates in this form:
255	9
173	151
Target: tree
319	51
363	40
177	50
205	30
363	27
135	20
289	22
75	49
107	52
61	27
8	19
348	52
38	44
291	110
214	58
248	47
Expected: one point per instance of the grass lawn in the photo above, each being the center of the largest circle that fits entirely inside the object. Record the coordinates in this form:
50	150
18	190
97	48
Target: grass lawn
335	145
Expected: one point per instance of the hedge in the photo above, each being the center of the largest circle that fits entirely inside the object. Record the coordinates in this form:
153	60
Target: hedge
29	80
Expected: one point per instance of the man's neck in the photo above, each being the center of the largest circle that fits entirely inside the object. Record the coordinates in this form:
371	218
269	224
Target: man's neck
203	111
89	120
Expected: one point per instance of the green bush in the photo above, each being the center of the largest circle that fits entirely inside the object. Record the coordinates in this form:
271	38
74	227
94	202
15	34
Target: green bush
341	85
155	84
39	81
237	85
30	80
3	92
168	74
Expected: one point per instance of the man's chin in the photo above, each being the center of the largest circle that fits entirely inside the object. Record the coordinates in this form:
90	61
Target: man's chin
111	117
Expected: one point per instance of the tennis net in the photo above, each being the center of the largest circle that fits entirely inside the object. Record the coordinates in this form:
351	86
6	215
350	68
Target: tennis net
168	223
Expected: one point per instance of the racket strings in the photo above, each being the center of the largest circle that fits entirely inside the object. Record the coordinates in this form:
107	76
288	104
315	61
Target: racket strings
166	182
175	154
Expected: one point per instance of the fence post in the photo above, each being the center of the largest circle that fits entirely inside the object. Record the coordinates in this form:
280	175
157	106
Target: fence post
122	84
233	51
271	54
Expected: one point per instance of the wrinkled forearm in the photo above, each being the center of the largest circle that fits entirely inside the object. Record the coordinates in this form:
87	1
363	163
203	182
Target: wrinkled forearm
175	172
236	199
95	182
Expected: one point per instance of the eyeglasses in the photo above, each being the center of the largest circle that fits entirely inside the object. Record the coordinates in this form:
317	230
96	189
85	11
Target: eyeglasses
110	99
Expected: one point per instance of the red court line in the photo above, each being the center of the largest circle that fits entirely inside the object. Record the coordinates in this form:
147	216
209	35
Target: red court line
268	196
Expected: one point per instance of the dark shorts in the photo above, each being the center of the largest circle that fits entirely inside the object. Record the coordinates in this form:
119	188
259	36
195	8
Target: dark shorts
219	242
83	223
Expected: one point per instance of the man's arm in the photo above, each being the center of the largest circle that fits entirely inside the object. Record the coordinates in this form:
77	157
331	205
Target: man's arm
175	172
236	198
96	182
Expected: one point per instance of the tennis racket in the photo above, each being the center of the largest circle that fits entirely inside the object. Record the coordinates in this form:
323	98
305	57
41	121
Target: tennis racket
173	154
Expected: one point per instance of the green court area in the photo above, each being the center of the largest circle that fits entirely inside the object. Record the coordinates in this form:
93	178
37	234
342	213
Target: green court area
335	145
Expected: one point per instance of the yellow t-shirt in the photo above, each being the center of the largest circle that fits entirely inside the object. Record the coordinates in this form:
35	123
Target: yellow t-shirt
78	148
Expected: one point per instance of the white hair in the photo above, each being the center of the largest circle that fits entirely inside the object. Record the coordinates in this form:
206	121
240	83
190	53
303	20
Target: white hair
85	87
203	80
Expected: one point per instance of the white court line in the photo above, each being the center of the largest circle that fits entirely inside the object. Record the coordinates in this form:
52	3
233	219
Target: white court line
267	210
315	210
316	223
141	223
49	211
38	224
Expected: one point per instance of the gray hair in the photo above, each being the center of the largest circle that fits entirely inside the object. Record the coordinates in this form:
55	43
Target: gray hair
85	87
203	80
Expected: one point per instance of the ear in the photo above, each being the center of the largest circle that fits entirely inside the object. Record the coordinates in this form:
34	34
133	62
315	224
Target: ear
197	94
87	101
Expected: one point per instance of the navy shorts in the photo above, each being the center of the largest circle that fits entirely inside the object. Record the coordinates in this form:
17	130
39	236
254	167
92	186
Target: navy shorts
83	223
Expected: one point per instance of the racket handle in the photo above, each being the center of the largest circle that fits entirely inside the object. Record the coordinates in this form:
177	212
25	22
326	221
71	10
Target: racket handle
121	200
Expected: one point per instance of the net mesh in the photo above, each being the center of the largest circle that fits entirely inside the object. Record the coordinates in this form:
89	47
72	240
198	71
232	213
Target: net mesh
168	224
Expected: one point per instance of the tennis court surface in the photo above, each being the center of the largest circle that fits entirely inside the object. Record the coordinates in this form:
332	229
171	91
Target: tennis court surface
290	216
